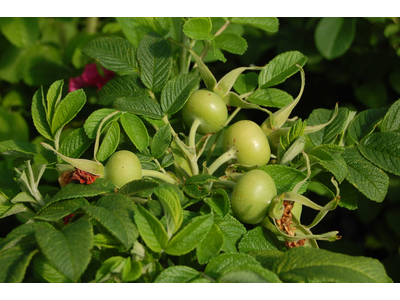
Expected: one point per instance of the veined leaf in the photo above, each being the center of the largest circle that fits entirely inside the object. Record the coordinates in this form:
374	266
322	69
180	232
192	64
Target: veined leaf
280	68
121	86
110	142
68	109
160	25
365	122
334	36
155	59
46	271
367	178
39	115
382	149
391	121
177	274
161	141
61	209
113	53
259	238
92	123
68	249
141	104
18	148
305	264
176	92
75	143
231	42
248	273
211	245
232	230
151	230
137	186
246	83
136	131
219	202
198	28
268	24
270	97
190	236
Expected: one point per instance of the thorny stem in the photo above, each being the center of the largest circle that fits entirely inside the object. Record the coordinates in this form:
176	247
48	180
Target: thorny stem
228	155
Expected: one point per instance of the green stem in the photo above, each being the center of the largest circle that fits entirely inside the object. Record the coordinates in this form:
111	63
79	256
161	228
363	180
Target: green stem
192	133
228	155
224	183
91	24
156	174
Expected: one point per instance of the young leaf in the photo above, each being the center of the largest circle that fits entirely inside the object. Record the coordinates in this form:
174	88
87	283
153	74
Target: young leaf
53	99
211	245
367	178
190	236
136	130
131	271
121	86
365	122
270	97
177	91
151	230
280	68
382	149
268	24
171	197
198	28
259	238
93	122
113	53
391	120
334	36
75	143
161	141
231	42
317	265
68	249
141	104
68	109
110	142
39	115
14	261
155	59
110	267
160	25
177	274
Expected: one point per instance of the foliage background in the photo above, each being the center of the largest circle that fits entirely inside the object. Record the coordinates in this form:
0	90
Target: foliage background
362	71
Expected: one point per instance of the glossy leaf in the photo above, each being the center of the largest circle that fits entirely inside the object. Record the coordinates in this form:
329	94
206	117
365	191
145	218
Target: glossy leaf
75	143
268	24
198	28
94	120
232	230
109	143
231	42
177	274
270	97
259	238
211	245
161	141
141	104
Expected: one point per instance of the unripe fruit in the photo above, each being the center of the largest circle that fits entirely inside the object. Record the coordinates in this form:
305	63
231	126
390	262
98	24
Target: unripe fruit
208	108
252	196
122	167
250	142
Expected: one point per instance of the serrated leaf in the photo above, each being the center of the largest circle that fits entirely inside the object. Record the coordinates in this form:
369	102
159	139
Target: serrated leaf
285	178
110	267
161	141
367	178
268	24
232	230
190	236
109	143
75	143
259	238
177	274
334	36
136	131
337	167
155	59
177	91
113	53
223	262
45	270
151	230
171	197
246	83
9	210
141	104
198	28
167	160
382	149
280	68
365	122
231	42
92	123
68	108
270	97
115	213
14	261
304	264
68	249
248	273
121	86
8	187
39	115
53	98
328	134
74	190
18	148
60	209
211	245
160	25
137	186
391	121
219	202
